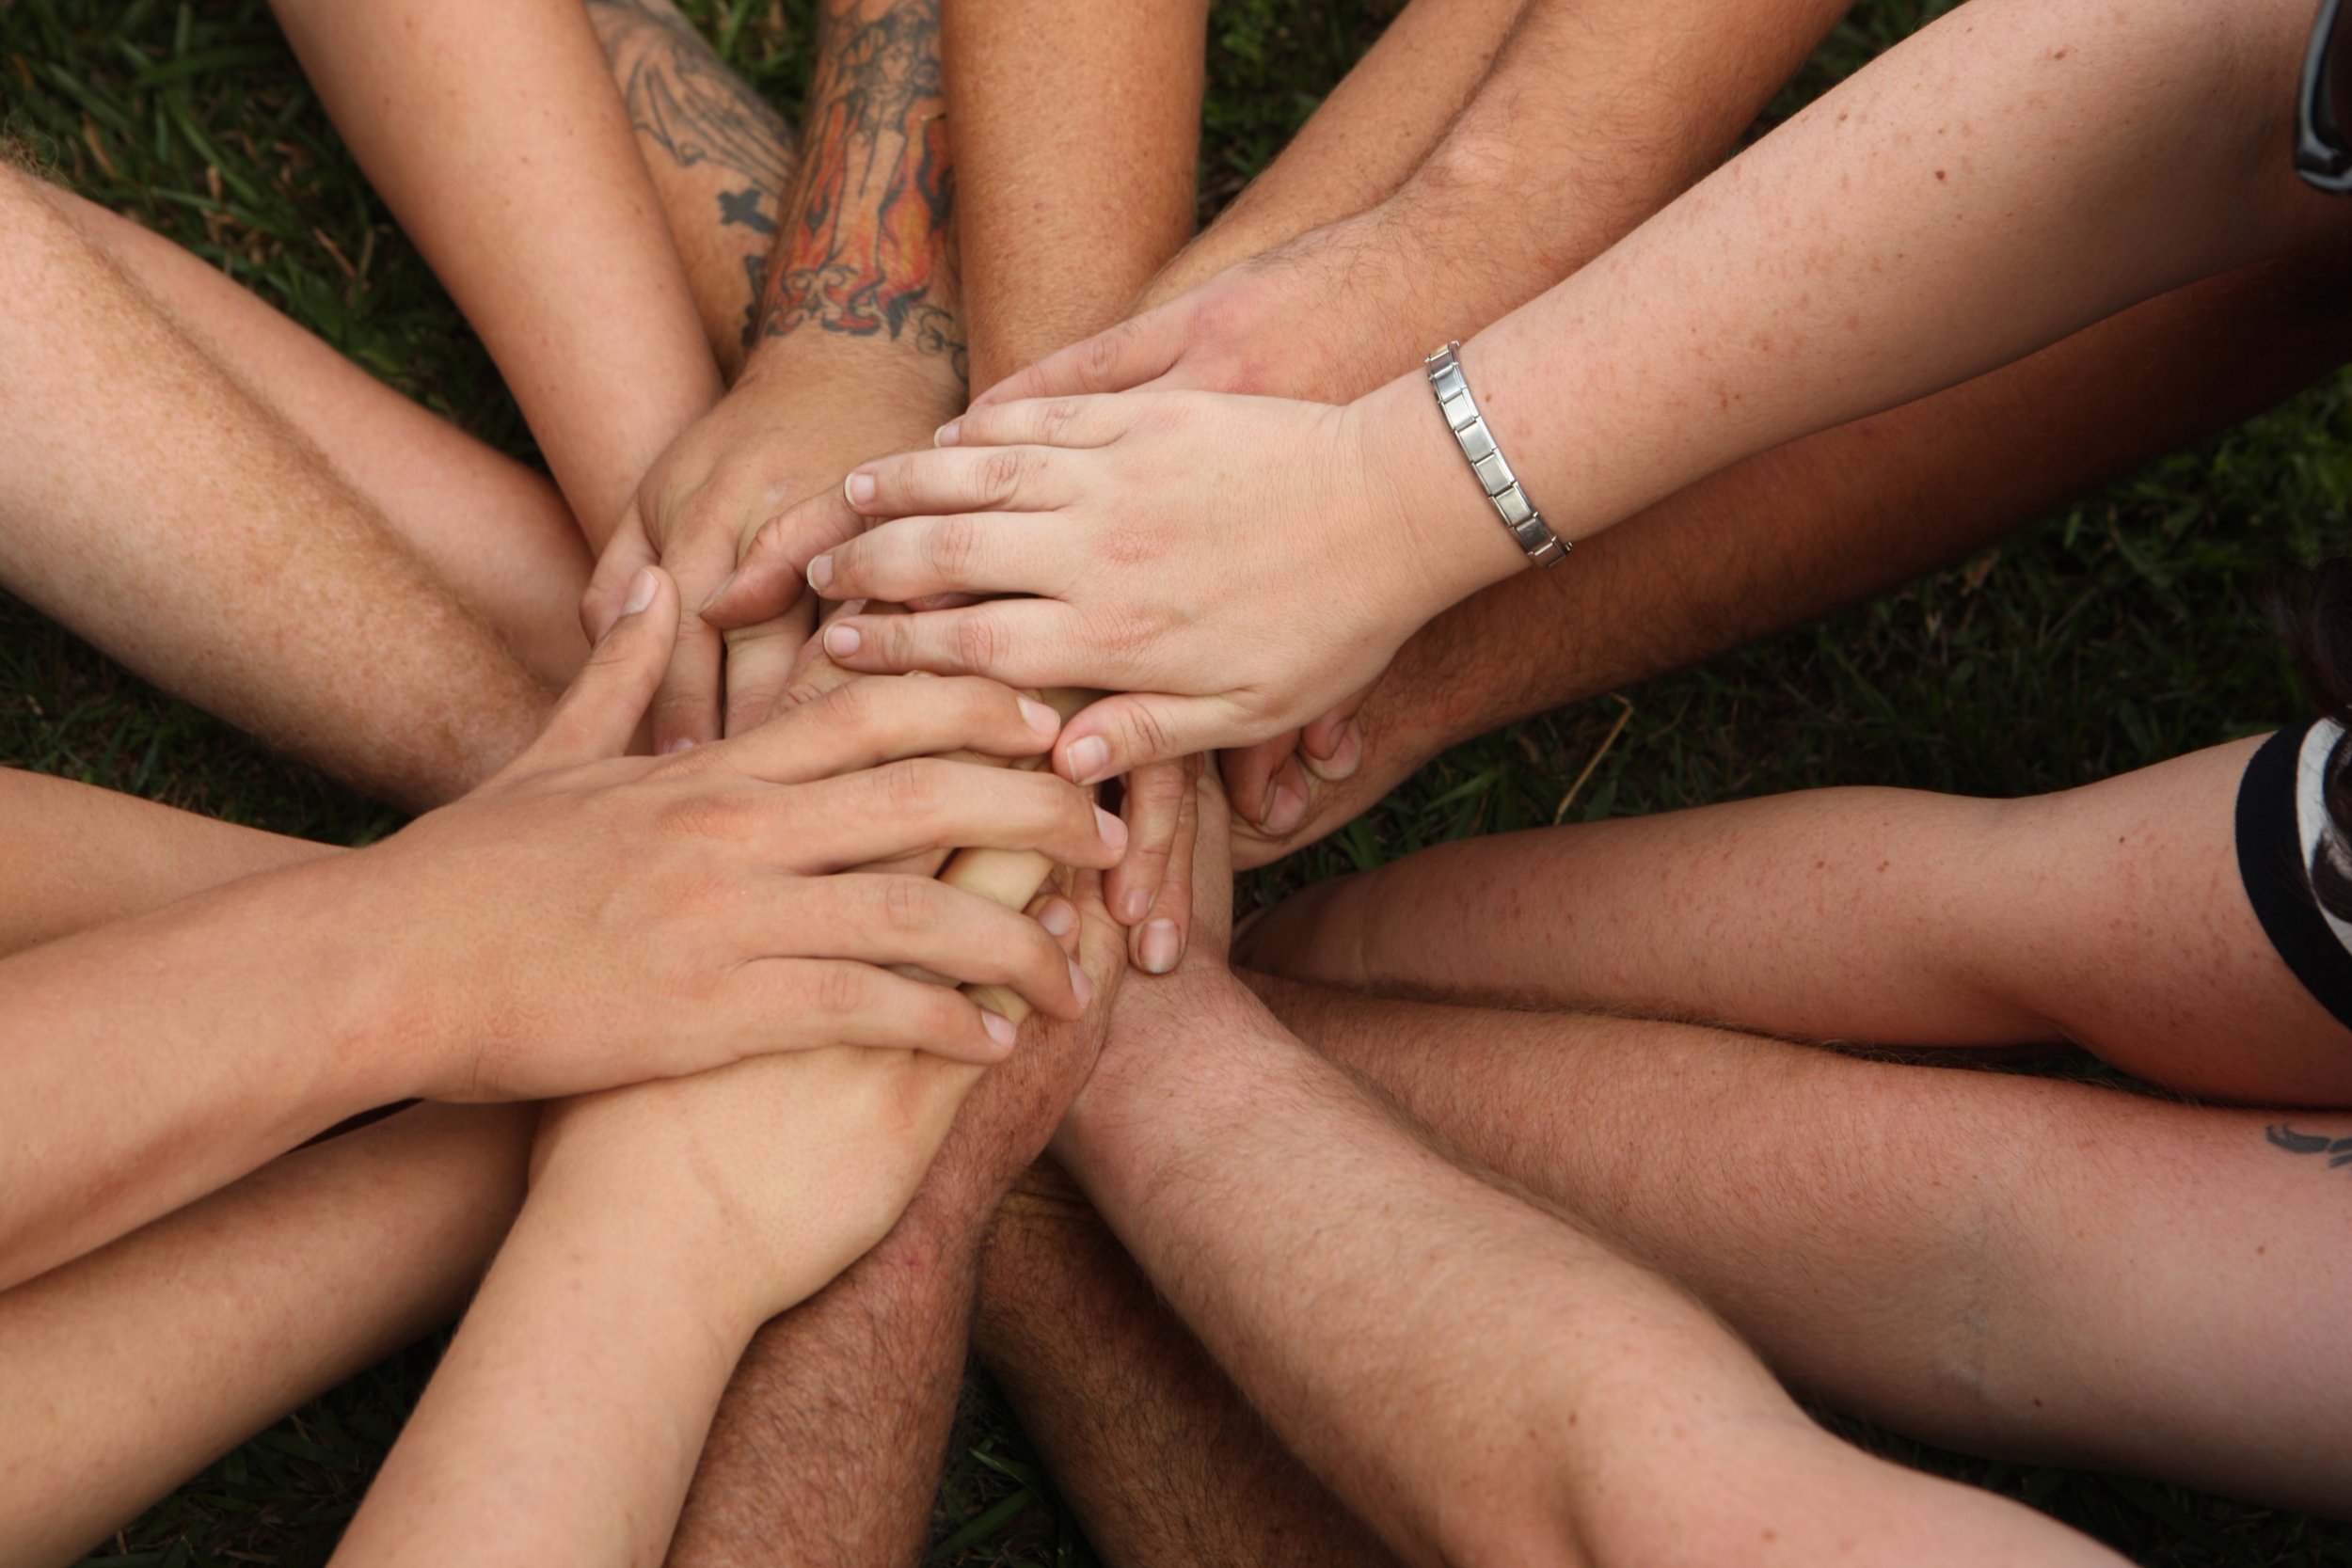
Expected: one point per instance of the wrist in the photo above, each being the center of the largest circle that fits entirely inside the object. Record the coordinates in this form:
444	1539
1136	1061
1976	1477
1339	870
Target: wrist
1188	1055
1435	520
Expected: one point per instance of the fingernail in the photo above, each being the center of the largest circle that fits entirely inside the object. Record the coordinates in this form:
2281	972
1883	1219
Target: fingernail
720	591
841	641
1265	804
1082	987
948	434
1113	832
1286	811
1347	755
1041	719
999	1027
680	744
819	575
1088	757
859	487
642	589
1057	917
1159	946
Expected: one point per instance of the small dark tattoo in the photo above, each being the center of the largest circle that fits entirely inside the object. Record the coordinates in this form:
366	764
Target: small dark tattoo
744	207
683	99
2339	1151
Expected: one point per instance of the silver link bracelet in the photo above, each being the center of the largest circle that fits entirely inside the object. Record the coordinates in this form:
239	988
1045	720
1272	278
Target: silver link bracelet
1543	547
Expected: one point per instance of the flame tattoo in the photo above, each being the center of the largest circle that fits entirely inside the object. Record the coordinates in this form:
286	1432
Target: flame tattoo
866	252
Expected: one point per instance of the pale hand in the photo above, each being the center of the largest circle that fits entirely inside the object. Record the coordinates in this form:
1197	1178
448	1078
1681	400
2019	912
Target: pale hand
1234	567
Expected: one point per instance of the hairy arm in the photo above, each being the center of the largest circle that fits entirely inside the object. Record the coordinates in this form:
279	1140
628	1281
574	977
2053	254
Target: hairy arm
1477	1378
1077	126
495	135
832	1434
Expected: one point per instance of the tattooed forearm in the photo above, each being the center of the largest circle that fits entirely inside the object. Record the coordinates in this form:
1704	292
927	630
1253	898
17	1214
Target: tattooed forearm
684	100
865	246
2339	1151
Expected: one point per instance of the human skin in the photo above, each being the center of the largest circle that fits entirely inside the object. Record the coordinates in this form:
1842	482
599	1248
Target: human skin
833	1432
2113	916
133	1367
666	1222
856	345
1793	277
419	966
2054	1272
523	187
720	156
1807	528
154	505
1480	1379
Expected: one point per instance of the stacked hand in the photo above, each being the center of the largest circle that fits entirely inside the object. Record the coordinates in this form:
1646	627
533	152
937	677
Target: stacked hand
693	898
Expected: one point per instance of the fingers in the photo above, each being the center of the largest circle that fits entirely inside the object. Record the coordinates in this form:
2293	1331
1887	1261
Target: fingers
759	661
927	803
866	723
998	477
1128	355
1121	734
1155	798
597	717
686	705
1008	639
1044	422
1332	748
1248	773
629	552
773	563
1159	942
889	919
797	1004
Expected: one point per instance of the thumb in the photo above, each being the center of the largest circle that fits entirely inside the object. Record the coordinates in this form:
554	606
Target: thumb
1135	351
772	570
628	551
598	716
1125	731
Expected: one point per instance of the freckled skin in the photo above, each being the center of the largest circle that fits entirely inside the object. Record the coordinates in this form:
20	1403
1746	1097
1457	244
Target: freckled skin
2111	916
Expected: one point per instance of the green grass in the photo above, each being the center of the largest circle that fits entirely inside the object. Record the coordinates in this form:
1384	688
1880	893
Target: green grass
2107	637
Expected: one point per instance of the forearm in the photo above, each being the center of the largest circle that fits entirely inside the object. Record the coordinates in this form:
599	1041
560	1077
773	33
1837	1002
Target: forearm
665	1223
1910	230
1075	129
1341	1307
828	1443
1362	141
720	156
124	1371
836	1423
496	136
1594	115
73	857
1950	1254
152	1060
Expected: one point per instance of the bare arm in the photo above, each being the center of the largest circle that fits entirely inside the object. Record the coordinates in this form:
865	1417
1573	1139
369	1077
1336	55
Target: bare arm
1077	126
495	135
1825	273
720	158
834	1430
126	1372
2112	915
147	1061
1480	1379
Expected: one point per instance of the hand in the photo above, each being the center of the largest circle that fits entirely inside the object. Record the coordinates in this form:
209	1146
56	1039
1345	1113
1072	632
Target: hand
1238	567
1320	318
1272	783
585	920
765	461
